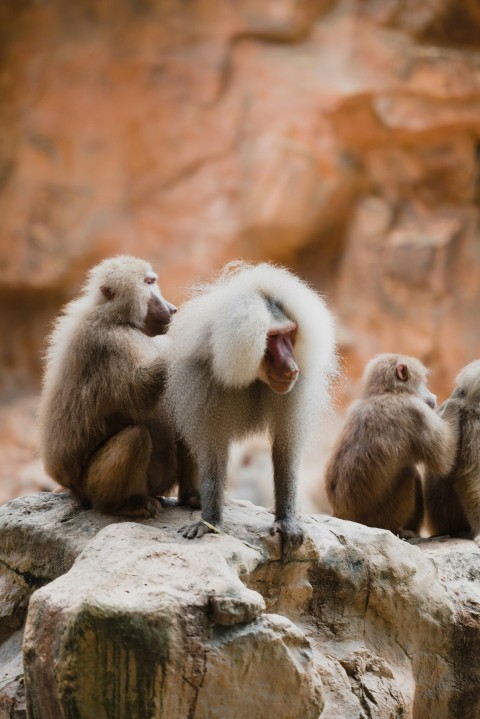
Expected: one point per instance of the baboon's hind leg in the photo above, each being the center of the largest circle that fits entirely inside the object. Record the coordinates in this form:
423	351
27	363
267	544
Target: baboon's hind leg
116	477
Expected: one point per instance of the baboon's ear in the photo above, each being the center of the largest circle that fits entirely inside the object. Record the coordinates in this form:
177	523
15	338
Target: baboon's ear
402	371
107	292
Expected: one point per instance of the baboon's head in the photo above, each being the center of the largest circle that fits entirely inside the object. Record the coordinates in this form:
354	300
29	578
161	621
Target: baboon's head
128	288
397	374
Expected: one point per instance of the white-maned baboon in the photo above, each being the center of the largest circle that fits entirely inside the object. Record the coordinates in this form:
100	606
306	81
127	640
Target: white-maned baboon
452	500
372	477
253	351
105	433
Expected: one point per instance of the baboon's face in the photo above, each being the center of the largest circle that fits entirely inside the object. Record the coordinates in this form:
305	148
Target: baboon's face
130	286
279	368
159	311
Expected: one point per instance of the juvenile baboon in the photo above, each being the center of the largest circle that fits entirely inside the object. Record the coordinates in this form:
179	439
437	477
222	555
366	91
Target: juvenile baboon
372	476
104	434
452	499
251	352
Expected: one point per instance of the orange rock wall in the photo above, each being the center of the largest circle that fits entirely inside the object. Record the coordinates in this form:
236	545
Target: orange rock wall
340	138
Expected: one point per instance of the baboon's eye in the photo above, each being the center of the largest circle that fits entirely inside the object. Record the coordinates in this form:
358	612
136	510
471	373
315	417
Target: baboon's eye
150	279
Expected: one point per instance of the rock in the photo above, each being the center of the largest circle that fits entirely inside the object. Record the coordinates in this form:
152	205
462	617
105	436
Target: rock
405	259
130	619
12	689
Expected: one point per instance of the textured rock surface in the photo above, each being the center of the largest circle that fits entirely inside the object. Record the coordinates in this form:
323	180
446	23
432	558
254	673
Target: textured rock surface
128	619
12	689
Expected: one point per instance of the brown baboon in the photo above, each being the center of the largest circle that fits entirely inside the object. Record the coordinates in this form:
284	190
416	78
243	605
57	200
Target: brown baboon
372	476
252	352
452	499
104	433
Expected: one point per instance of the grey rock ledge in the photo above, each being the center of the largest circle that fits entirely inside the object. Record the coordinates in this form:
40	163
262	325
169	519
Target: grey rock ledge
128	620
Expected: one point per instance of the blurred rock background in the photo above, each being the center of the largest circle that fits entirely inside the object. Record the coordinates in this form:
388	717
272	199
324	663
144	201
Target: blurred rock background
338	137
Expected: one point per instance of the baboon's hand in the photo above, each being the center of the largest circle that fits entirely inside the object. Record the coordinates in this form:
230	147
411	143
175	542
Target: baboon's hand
195	531
292	535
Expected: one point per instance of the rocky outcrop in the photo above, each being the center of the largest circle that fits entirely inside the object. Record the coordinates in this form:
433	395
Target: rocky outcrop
128	619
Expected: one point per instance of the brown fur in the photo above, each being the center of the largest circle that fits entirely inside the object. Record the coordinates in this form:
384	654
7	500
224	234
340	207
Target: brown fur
372	476
452	500
105	433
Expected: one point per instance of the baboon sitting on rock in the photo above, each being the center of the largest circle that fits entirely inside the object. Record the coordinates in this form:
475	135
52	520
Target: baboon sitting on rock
105	433
372	477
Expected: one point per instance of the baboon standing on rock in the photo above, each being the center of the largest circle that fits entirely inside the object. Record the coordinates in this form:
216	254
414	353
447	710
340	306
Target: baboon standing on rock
104	434
452	500
252	352
371	477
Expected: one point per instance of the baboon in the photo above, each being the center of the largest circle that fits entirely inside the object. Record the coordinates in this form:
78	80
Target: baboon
452	498
372	476
253	351
104	432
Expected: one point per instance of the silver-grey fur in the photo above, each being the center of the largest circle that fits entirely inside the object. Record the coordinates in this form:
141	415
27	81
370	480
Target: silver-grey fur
219	341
